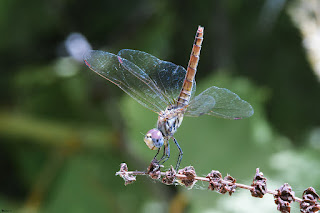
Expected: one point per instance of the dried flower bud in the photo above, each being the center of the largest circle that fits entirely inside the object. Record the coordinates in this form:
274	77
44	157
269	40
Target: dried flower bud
190	180
215	178
154	169
128	178
169	177
259	185
284	197
221	185
230	187
309	201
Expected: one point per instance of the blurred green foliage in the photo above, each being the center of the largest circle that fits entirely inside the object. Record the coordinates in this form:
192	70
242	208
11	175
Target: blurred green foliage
64	131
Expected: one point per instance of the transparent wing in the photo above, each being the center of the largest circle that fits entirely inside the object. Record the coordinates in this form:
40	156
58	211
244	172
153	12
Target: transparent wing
167	76
129	77
219	102
150	81
200	105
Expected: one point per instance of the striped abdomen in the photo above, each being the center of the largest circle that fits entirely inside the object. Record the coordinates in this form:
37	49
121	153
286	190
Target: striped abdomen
185	93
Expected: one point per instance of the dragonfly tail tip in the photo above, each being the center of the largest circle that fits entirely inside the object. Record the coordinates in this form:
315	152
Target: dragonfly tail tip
200	29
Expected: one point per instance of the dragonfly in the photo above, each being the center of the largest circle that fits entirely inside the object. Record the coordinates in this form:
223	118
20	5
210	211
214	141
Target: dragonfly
168	90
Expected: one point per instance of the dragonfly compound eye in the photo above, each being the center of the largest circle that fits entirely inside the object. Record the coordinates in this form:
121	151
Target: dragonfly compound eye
154	139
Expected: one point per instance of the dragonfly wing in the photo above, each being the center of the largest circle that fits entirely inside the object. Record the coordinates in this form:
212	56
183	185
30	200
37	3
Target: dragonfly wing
200	105
128	76
227	104
167	76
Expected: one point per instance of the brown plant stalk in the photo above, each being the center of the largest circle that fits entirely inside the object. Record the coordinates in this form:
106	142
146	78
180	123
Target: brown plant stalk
283	196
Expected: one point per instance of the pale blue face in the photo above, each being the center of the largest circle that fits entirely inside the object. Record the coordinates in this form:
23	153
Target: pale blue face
154	139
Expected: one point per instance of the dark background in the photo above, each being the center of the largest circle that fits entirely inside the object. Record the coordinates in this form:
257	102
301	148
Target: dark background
64	130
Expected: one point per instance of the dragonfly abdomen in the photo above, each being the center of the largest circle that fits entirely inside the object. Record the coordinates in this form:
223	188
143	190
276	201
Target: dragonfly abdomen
185	93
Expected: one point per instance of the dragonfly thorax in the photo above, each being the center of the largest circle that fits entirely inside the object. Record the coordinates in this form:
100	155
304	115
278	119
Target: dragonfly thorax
169	120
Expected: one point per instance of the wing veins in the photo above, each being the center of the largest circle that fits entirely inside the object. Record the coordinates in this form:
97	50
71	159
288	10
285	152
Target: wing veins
120	84
151	84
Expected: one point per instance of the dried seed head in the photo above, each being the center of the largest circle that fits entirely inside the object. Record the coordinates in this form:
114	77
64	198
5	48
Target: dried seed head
309	201
154	169
215	178
259	185
283	198
230	187
221	185
190	180
128	178
169	177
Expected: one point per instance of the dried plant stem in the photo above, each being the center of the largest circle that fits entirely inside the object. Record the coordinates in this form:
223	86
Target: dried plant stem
283	196
182	177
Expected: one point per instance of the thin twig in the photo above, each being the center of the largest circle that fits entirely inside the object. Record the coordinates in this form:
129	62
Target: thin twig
283	196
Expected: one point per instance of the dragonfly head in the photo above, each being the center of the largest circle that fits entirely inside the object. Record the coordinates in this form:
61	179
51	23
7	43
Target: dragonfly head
154	139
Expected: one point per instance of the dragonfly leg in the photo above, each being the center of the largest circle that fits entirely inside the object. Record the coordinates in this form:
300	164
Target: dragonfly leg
166	154
180	153
155	157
